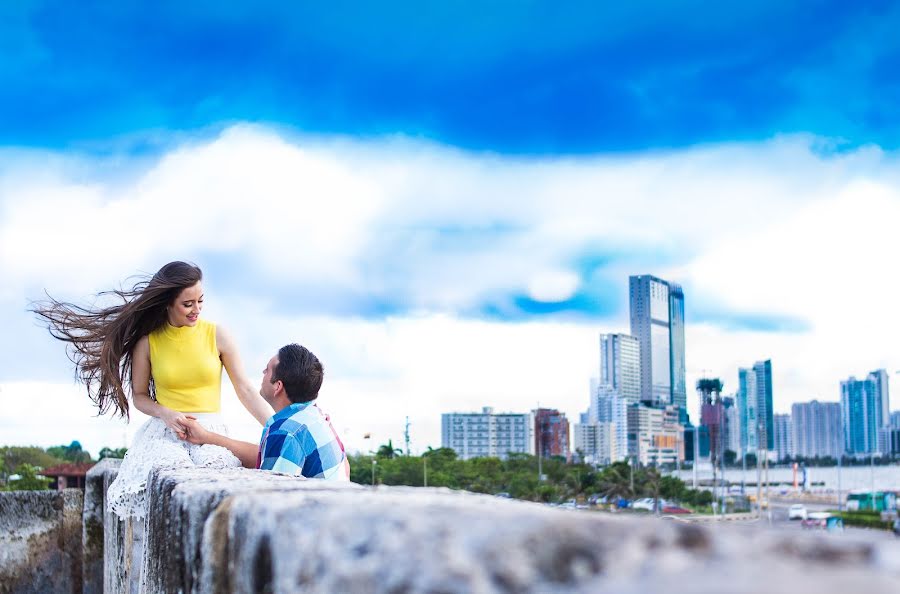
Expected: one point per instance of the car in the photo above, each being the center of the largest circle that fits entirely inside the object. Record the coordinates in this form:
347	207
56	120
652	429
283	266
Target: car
675	509
817	520
896	526
646	504
797	512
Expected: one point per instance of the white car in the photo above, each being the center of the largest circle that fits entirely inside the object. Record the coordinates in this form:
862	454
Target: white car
797	512
645	504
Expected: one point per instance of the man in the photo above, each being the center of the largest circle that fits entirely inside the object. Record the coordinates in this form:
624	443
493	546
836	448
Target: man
298	438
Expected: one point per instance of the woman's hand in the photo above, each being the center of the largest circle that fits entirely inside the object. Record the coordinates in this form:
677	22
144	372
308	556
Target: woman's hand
175	421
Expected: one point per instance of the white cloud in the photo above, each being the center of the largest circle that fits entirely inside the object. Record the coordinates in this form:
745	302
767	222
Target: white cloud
299	225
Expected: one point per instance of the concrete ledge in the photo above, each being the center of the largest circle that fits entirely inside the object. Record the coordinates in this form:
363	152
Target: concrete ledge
248	531
40	541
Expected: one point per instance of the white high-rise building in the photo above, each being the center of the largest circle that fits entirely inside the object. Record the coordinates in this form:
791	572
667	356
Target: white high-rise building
732	425
487	434
657	434
784	439
620	365
816	428
596	442
608	406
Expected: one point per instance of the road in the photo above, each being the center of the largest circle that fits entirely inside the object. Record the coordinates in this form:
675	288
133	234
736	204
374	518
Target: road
780	521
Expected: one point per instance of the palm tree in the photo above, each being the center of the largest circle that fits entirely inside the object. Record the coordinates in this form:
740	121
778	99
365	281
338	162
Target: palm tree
388	451
615	481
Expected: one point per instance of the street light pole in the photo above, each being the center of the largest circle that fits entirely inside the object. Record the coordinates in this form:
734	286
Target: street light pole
374	462
839	494
872	466
425	463
696	453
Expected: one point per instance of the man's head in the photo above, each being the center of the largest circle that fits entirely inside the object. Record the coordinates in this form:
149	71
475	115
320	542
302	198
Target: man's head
293	375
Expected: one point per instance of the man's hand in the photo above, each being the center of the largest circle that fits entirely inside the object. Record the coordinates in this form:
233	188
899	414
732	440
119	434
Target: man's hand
195	432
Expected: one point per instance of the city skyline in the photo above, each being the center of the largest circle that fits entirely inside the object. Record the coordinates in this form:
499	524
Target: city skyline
447	210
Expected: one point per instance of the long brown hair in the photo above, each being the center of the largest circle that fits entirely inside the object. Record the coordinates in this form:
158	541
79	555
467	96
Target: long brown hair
101	341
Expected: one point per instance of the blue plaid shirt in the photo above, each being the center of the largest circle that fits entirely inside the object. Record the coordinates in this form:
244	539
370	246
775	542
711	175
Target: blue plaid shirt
299	439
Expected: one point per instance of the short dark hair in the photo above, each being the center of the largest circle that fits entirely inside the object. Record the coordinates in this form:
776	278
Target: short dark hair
300	371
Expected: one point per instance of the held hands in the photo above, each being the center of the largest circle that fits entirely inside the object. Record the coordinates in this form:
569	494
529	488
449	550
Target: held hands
175	421
195	432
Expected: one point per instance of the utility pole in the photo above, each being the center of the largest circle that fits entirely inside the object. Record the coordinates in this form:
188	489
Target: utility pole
374	462
425	464
768	503
406	436
839	494
872	466
631	466
539	429
743	468
696	453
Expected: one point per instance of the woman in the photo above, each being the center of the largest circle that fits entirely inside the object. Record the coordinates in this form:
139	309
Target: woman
155	340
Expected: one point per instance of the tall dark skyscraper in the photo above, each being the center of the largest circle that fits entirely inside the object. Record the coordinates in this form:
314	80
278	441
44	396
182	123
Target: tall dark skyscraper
676	338
865	410
657	321
754	401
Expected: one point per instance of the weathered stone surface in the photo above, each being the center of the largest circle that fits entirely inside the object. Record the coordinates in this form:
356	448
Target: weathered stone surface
92	541
248	531
180	502
415	540
40	541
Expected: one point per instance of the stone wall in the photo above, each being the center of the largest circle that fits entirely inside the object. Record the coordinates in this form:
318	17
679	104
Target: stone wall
40	541
214	531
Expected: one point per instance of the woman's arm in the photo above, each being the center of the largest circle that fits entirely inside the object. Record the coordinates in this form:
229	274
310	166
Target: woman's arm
246	392
140	390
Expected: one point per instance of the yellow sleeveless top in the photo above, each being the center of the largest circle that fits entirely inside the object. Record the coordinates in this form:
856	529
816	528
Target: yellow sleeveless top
186	368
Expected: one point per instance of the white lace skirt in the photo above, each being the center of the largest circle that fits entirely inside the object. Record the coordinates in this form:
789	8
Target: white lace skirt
155	445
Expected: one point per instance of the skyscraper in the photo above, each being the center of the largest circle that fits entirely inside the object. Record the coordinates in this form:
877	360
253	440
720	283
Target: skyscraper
754	401
864	413
608	406
657	321
763	372
817	429
596	442
732	425
747	411
676	338
620	365
783	436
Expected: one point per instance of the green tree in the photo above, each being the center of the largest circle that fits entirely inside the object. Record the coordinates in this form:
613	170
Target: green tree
112	453
28	480
671	487
13	456
615	481
70	453
388	451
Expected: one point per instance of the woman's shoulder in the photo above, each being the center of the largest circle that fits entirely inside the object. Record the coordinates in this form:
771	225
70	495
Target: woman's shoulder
143	344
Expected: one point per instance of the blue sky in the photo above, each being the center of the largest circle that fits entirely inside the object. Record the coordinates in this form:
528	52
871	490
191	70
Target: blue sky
512	77
447	202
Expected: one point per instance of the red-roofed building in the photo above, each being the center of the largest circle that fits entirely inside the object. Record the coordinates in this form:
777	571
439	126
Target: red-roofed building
67	476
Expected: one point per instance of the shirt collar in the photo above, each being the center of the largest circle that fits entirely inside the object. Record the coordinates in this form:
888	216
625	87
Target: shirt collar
290	410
